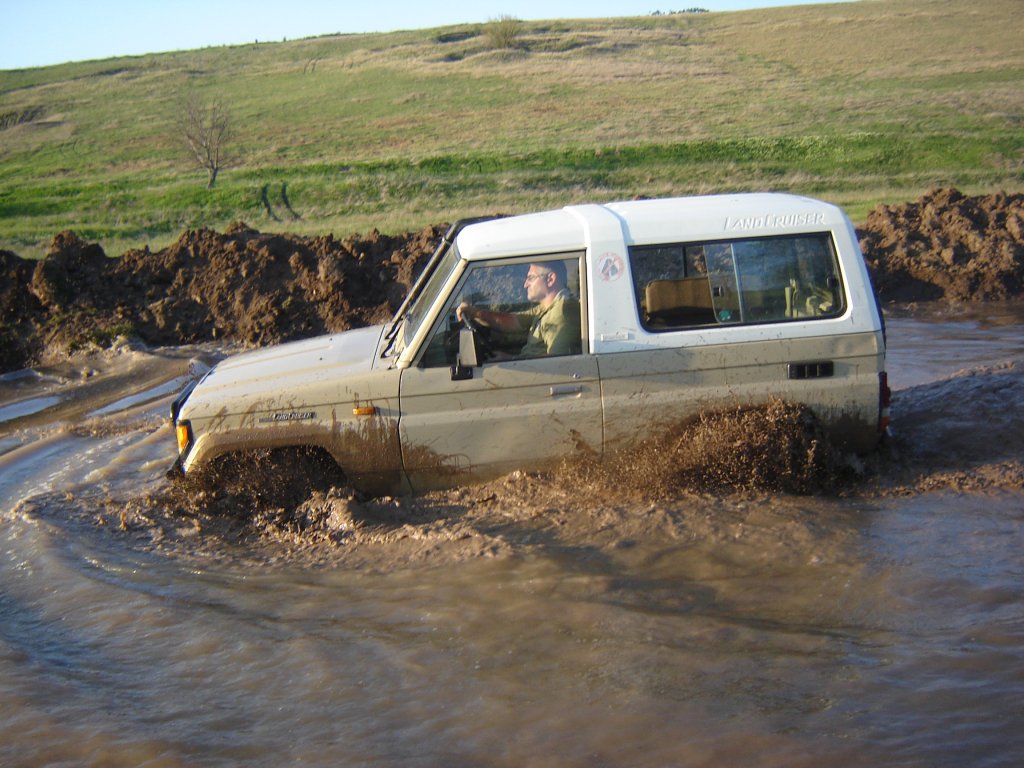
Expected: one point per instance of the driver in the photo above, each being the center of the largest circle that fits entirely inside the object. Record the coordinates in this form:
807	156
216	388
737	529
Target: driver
553	325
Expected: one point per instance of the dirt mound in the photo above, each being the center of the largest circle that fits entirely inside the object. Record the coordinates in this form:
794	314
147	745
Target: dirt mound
75	276
256	288
242	285
947	247
263	288
17	305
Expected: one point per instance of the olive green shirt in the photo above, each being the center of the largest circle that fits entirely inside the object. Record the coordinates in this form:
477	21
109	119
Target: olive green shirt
554	329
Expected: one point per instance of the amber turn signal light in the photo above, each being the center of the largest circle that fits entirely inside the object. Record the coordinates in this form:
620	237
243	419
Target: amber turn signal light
183	431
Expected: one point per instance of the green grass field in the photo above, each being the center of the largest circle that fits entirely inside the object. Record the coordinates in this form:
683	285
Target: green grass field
857	103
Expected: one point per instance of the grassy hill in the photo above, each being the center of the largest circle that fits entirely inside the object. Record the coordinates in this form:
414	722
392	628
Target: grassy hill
858	103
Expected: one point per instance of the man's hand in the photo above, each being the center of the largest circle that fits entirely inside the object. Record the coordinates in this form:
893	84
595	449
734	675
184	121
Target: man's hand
503	322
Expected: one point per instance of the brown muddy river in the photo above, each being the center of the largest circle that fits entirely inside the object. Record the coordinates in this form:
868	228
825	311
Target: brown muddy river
881	627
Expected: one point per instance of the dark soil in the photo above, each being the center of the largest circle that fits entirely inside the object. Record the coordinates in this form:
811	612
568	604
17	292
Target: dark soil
947	247
255	288
242	286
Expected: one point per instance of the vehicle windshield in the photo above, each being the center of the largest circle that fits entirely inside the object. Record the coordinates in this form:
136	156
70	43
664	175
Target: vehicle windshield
420	308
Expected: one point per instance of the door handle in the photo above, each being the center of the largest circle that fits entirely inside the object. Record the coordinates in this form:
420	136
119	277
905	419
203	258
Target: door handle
566	389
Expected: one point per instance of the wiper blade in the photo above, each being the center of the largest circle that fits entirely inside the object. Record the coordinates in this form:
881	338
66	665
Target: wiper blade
391	337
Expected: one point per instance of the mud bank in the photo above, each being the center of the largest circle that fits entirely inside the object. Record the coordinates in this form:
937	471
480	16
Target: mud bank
254	288
241	286
947	247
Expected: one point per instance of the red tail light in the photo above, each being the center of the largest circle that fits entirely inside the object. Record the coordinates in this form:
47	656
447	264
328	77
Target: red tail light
884	401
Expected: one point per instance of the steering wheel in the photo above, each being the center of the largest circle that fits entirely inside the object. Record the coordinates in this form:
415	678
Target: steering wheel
482	334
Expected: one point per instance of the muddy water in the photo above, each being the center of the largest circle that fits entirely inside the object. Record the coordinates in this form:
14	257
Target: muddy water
884	627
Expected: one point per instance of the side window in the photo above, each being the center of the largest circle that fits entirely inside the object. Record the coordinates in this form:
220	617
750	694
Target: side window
765	280
521	310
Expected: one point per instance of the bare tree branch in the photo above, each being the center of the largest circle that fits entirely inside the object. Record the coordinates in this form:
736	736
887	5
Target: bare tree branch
207	129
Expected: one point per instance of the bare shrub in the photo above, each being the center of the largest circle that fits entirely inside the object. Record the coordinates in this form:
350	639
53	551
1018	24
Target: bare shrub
503	32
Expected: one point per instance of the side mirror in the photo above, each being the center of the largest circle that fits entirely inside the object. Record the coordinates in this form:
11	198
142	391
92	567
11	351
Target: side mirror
467	359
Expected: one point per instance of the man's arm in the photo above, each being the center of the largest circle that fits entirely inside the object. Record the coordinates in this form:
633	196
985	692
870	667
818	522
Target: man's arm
506	322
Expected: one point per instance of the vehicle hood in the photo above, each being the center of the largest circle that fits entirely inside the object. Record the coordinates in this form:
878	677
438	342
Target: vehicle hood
312	371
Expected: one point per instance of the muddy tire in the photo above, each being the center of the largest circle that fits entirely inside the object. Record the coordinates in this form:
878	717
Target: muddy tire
281	478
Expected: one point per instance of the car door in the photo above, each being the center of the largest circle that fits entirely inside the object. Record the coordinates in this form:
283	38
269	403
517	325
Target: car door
515	413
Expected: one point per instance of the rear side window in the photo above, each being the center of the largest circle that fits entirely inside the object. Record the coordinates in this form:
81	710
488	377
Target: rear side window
762	280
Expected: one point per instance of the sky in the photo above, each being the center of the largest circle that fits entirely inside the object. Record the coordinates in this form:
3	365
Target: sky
35	33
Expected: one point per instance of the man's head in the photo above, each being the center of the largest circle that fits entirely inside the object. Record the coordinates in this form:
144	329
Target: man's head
544	281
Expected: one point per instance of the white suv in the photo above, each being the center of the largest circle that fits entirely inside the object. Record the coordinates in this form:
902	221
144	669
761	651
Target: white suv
582	329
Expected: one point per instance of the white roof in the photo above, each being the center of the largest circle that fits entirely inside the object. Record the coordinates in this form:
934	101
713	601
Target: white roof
665	220
534	233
